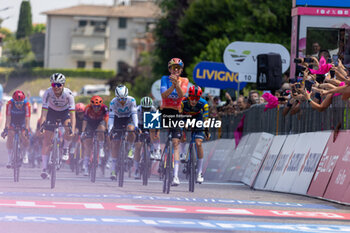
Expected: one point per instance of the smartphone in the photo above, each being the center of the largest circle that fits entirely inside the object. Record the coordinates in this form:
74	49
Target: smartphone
281	99
308	85
308	59
332	73
297	85
335	59
329	60
297	60
320	78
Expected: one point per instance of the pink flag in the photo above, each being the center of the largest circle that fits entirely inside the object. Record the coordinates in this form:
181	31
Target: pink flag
272	101
239	131
323	67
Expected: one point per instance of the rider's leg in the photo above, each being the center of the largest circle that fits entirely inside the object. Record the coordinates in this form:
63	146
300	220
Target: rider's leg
176	143
101	138
67	139
200	154
155	139
87	144
137	157
9	145
131	137
115	144
45	150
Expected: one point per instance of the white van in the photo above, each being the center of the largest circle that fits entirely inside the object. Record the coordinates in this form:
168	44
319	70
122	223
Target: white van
98	89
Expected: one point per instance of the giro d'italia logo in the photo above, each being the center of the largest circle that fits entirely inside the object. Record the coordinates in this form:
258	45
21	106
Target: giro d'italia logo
152	120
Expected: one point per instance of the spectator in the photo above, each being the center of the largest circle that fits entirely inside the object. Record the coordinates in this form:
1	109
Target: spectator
253	98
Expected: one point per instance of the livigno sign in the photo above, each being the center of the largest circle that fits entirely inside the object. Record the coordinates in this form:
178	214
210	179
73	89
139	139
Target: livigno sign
214	74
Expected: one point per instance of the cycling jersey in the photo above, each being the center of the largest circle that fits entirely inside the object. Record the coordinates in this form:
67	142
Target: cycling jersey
117	110
140	113
61	103
18	115
92	116
199	111
172	101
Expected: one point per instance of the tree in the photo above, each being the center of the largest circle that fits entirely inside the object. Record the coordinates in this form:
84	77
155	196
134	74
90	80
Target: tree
244	20
169	44
39	28
24	27
17	50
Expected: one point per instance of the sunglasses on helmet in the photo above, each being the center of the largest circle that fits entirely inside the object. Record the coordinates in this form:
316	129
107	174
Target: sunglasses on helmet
56	84
196	98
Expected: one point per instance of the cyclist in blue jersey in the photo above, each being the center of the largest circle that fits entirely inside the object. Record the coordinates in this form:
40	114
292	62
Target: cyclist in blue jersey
197	108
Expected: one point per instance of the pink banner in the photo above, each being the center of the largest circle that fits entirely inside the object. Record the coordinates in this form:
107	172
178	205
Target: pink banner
331	154
321	11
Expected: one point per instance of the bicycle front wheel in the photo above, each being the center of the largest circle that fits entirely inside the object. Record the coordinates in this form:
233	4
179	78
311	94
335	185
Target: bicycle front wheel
192	168
121	164
146	164
16	160
94	162
53	170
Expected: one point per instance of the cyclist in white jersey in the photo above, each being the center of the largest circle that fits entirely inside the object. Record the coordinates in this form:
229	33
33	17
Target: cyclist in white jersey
122	115
146	106
58	104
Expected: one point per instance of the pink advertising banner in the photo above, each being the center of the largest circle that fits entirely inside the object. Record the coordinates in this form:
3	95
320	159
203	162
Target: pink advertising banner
333	152
321	11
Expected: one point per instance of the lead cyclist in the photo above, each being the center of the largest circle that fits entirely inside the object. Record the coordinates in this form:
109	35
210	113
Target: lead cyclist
58	104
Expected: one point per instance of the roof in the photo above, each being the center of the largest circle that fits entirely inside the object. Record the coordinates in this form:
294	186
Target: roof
141	10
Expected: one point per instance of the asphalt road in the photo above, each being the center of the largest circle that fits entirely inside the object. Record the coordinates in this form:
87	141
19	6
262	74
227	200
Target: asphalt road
77	205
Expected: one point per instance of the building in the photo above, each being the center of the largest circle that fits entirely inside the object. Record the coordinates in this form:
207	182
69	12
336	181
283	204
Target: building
95	36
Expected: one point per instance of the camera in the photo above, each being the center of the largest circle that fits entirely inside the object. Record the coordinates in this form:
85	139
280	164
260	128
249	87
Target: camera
308	85
308	59
297	60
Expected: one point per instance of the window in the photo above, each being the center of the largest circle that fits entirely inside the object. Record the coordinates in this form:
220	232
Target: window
121	44
120	65
97	65
82	23
81	64
122	22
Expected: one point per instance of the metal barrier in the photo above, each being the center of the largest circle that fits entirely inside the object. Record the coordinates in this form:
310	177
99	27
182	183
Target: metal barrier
272	121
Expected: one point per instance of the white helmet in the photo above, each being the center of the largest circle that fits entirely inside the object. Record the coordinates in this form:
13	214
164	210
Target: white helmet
121	91
58	78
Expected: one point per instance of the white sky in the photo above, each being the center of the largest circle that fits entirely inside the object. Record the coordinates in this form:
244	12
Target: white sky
38	6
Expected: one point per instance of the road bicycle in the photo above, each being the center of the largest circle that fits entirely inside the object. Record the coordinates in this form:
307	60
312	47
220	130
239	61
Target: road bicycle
75	159
145	163
95	155
16	157
166	165
55	154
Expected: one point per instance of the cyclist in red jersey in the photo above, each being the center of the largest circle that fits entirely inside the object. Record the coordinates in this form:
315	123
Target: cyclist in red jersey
95	118
173	88
17	113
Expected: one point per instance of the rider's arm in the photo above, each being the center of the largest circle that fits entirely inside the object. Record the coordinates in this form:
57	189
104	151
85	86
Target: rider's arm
84	125
134	113
164	90
181	87
72	110
27	117
44	107
106	117
111	116
8	114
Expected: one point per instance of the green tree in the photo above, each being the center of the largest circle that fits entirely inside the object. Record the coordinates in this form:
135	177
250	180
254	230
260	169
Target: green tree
40	27
8	34
17	50
24	27
169	43
244	20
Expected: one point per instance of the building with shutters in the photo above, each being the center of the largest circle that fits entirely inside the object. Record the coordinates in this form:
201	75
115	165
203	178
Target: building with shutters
95	36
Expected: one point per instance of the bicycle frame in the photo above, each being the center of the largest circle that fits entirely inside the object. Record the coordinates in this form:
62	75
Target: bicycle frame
16	158
167	164
145	157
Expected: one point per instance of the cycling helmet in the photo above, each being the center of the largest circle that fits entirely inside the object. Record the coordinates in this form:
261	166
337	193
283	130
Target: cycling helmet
58	78
121	91
18	95
96	100
146	102
176	61
80	107
195	91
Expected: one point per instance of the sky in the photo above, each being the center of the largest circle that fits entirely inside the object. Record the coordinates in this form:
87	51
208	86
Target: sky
10	15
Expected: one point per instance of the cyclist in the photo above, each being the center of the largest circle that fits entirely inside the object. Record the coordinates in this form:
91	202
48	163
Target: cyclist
95	118
122	115
197	108
79	117
58	104
173	88
146	106
17	113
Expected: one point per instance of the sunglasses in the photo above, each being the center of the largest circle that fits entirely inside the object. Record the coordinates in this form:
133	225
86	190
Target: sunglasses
122	99
96	106
56	84
196	98
173	67
19	102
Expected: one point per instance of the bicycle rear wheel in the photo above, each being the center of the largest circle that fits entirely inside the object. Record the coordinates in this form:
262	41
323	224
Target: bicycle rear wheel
146	164
192	168
77	158
169	170
94	162
121	164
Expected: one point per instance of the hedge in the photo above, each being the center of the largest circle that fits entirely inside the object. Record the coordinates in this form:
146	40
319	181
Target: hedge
44	73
